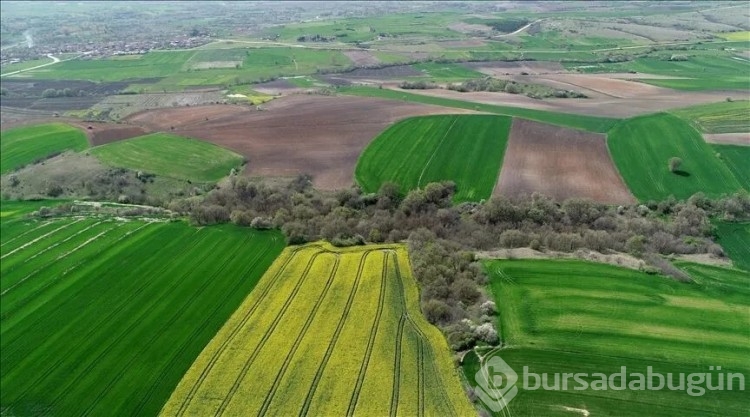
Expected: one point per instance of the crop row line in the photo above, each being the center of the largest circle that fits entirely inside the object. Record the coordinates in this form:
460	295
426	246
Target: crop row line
251	266
298	341
225	344
27	244
336	334
191	300
143	314
256	351
370	342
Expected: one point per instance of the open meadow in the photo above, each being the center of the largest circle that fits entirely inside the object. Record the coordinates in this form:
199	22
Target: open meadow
578	317
467	150
29	144
328	331
642	147
101	316
171	156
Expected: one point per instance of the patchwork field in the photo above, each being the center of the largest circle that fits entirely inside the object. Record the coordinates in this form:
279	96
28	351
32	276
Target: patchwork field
103	317
318	135
467	150
171	156
735	239
574	316
641	148
560	163
25	145
327	332
723	117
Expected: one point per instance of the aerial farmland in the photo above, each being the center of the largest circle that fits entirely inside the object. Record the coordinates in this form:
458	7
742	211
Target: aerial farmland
374	209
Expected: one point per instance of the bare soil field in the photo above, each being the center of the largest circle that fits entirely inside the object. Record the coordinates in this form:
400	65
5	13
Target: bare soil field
728	138
362	58
561	163
319	135
596	105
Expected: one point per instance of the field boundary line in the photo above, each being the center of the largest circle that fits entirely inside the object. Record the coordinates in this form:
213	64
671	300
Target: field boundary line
303	332
336	334
217	354
261	344
371	342
437	148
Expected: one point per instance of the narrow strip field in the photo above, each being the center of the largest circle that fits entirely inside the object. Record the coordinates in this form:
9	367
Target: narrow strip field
103	317
412	153
560	163
25	145
328	331
579	317
171	156
642	147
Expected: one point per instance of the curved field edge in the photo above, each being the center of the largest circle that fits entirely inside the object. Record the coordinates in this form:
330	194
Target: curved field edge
574	316
465	149
588	123
94	311
207	383
170	156
641	148
27	144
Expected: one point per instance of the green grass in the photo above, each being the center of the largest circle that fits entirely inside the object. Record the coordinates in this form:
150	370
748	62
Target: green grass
735	239
574	316
589	123
642	146
25	145
722	117
170	156
466	149
737	158
447	71
101	317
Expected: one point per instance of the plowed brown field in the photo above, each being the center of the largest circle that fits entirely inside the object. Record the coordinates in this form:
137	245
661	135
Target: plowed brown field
319	135
561	163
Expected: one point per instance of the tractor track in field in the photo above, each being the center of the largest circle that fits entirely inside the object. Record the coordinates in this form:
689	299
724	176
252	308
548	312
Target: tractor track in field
371	341
27	244
256	351
423	343
145	399
144	313
397	366
336	334
24	234
303	332
50	282
41	319
215	357
173	318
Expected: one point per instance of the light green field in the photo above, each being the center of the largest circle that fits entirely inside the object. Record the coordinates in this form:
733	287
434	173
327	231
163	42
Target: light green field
642	146
328	332
589	123
578	317
170	156
25	145
737	158
465	149
735	239
103	317
723	117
